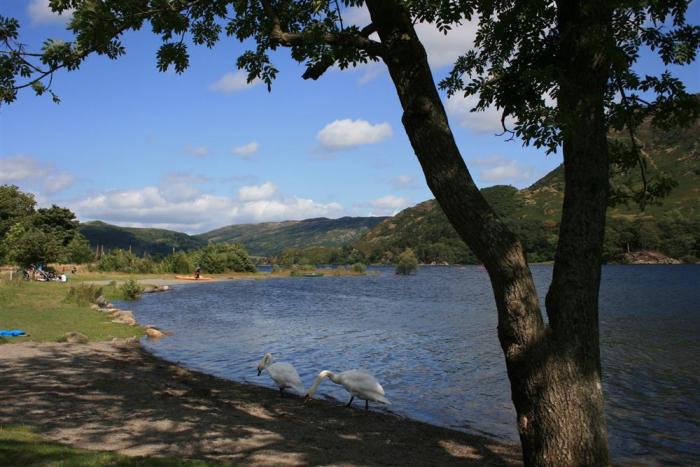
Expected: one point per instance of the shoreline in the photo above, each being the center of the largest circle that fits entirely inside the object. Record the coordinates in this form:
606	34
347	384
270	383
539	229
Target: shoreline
118	396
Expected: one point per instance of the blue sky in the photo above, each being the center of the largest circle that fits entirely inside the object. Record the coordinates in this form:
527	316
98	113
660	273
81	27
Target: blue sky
133	146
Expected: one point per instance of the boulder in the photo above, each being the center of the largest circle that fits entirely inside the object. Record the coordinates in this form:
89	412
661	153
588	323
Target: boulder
124	317
154	333
155	288
74	337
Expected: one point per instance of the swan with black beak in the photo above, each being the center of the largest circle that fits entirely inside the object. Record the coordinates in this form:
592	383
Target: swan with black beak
283	374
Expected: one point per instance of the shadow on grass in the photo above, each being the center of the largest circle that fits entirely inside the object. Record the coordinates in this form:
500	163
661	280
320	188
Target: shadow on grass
126	400
22	447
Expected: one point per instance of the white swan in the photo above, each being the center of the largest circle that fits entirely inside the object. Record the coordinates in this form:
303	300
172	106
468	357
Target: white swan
283	374
358	383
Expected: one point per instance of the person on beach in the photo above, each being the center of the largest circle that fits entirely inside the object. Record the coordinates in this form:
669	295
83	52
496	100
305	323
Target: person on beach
197	272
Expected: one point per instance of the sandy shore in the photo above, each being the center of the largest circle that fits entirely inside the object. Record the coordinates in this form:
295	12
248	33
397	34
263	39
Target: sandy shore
117	396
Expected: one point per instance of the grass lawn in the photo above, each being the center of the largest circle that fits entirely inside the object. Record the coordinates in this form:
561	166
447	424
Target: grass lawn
40	309
21	446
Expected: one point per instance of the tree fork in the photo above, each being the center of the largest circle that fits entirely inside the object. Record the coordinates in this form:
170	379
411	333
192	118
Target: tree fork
556	391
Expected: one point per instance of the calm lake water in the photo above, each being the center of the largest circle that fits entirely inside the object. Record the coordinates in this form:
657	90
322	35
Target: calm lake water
431	341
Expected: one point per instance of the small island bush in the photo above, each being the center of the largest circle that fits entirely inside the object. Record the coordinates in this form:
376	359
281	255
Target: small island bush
301	269
407	263
359	268
131	290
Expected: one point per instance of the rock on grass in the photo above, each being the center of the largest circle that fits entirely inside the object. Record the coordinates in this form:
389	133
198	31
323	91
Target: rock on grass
73	337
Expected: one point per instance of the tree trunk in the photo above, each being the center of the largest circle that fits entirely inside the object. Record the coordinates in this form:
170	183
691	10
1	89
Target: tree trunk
554	371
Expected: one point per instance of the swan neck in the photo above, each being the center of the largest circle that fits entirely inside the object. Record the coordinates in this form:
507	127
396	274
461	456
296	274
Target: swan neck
319	378
333	377
265	362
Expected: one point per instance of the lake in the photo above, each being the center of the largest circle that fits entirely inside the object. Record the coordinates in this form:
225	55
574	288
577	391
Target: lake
431	341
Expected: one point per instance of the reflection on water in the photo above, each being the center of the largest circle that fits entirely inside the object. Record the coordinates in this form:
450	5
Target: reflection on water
431	341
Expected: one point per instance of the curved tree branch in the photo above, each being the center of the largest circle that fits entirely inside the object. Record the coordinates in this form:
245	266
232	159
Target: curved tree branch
342	39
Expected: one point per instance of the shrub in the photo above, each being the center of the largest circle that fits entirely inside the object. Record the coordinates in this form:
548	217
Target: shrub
79	251
131	290
276	268
359	267
407	262
181	264
125	261
83	294
224	257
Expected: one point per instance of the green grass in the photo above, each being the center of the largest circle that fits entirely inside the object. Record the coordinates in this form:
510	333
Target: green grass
40	309
20	445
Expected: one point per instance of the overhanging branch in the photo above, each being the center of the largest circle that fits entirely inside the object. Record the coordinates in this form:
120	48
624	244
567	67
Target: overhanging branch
339	39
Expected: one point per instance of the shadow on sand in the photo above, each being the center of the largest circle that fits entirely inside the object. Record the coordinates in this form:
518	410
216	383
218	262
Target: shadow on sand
118	397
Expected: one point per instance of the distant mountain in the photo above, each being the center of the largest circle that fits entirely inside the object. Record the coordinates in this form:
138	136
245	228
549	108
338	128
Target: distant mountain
157	242
672	227
271	238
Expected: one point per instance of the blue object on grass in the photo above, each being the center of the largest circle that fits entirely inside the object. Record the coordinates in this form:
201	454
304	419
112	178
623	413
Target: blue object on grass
12	333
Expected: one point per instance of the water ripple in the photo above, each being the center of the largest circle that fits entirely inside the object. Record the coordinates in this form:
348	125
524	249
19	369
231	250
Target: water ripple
431	340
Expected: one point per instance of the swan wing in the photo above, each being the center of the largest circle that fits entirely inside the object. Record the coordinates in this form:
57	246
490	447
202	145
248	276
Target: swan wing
363	385
285	375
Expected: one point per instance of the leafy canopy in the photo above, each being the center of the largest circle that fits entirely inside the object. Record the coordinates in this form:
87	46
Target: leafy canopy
514	64
29	235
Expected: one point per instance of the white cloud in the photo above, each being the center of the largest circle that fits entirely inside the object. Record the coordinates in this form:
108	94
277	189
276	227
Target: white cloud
442	49
247	149
233	82
390	201
18	168
488	121
348	134
497	169
24	169
197	212
404	182
370	71
197	151
387	205
58	182
181	187
257	192
39	12
292	208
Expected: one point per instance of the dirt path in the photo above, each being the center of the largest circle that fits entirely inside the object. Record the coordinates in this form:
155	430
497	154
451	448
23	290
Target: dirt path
120	397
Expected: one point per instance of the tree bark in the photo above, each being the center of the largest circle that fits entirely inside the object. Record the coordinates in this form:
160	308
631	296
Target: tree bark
554	370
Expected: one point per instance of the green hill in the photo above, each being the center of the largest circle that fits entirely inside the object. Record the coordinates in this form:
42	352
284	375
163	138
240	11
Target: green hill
271	238
673	227
156	242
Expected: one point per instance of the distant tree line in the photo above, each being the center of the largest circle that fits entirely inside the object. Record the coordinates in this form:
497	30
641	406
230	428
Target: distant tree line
433	240
215	258
50	235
